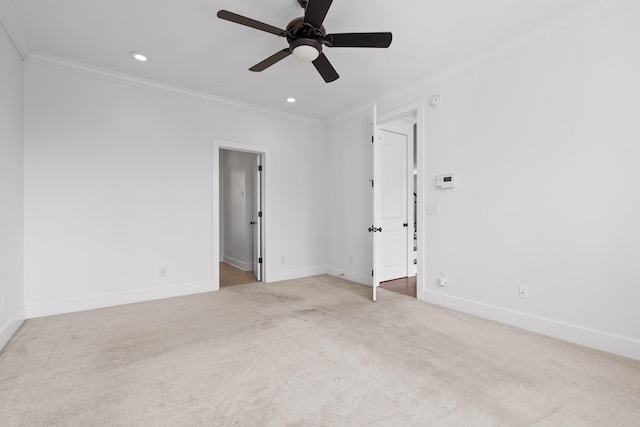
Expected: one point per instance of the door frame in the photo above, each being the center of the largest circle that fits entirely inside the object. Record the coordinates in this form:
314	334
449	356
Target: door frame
417	108
217	145
256	218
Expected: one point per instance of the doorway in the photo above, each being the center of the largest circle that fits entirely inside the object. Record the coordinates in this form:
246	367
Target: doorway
397	165
239	214
240	217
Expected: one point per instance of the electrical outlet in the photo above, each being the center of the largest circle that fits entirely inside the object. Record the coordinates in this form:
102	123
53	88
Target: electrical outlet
282	260
443	279
163	271
350	260
524	292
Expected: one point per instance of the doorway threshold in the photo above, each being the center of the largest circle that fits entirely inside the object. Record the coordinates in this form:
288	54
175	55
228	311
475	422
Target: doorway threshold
404	286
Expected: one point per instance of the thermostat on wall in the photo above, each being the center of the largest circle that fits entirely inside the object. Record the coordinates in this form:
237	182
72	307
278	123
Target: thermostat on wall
444	181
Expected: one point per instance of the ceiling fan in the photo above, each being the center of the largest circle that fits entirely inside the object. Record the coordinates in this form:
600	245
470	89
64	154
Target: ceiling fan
307	36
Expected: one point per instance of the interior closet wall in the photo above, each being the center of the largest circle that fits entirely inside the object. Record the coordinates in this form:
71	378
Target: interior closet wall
236	207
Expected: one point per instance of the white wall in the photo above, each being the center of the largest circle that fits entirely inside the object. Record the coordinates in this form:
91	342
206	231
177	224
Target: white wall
11	189
236	207
544	143
118	182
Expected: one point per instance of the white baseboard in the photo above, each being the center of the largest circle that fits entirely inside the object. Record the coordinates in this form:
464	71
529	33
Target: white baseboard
295	274
363	279
599	340
11	327
244	266
72	305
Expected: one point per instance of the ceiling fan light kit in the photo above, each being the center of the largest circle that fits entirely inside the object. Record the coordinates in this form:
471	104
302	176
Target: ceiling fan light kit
306	37
306	50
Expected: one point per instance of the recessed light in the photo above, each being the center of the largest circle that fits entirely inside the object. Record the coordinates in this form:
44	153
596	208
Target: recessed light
138	56
291	100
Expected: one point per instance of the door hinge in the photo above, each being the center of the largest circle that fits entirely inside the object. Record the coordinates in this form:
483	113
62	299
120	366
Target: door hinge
372	139
371	273
260	214
371	183
260	260
259	168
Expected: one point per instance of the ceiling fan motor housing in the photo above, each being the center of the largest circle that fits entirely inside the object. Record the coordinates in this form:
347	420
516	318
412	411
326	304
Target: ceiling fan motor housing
299	34
298	29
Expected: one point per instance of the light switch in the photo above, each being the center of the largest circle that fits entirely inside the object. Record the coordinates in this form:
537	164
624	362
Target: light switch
433	209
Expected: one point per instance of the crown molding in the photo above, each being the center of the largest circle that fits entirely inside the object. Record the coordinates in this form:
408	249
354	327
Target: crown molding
553	29
9	21
115	76
583	16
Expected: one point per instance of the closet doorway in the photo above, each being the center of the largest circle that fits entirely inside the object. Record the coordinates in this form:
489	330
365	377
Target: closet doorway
240	217
399	261
397	230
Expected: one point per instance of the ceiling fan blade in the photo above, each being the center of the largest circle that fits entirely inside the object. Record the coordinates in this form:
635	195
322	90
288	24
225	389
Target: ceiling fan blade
316	12
261	66
252	23
325	68
358	40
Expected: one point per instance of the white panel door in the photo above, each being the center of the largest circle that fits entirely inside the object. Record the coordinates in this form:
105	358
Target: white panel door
257	218
392	215
390	204
376	201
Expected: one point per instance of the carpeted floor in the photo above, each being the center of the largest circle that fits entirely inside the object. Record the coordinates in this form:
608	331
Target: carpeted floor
313	351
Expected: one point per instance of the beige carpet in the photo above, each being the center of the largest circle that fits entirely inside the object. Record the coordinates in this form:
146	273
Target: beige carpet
314	351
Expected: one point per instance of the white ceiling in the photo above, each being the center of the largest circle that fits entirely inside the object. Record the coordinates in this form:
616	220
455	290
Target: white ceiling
190	47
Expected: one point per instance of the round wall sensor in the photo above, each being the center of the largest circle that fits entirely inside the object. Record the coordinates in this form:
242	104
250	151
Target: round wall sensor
435	100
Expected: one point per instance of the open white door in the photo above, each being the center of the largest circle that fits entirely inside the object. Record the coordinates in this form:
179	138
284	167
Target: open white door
376	202
256	221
